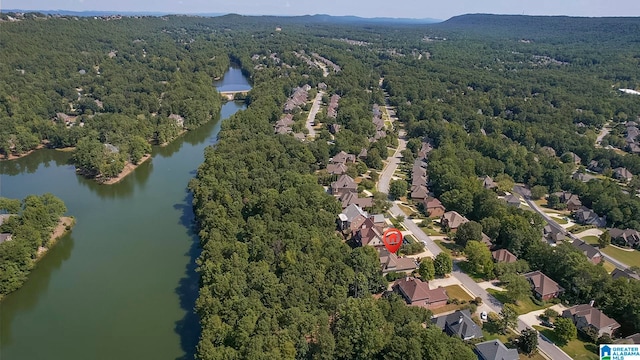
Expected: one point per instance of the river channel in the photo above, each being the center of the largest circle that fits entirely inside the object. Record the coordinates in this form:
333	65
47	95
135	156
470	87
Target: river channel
122	285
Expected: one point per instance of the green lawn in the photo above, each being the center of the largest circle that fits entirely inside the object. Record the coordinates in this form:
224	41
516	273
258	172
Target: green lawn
577	349
448	247
559	220
454	292
523	306
627	257
593	240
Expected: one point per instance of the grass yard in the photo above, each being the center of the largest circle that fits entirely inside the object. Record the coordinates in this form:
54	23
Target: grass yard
559	220
593	240
523	306
454	292
609	266
628	257
448	247
577	349
431	232
406	210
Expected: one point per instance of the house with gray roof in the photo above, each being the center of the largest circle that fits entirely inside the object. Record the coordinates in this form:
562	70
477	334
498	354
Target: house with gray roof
459	324
626	274
351	217
586	216
622	174
589	251
627	237
495	350
585	316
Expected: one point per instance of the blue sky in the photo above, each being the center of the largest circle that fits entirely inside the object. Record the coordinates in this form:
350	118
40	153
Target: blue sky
365	8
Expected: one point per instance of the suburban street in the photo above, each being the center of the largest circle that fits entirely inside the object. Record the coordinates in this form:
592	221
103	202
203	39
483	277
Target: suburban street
313	112
489	302
524	193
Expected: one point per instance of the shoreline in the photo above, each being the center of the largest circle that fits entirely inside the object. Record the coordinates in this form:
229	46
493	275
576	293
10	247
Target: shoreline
58	232
182	132
16	157
128	169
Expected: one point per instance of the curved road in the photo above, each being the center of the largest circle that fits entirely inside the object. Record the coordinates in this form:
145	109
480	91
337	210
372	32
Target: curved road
524	193
544	345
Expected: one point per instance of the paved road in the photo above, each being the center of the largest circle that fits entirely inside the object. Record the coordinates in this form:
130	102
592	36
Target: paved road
488	301
392	164
603	132
313	112
520	190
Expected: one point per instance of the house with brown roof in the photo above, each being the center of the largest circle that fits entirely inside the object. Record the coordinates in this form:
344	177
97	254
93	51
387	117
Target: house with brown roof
574	158
543	287
512	200
488	183
5	237
548	150
337	169
627	237
589	251
451	220
417	293
420	193
343	158
433	207
352	198
390	262
343	185
572	201
504	255
585	316
623	174
368	235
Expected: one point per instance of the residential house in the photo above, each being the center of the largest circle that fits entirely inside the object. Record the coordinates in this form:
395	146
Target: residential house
417	181
378	221
451	220
343	158
5	217
631	339
572	201
332	109
589	251
575	158
626	273
178	119
425	149
300	136
420	193
553	235
349	198
627	237
433	207
585	316
495	350
488	183
459	324
334	128
583	177
512	200
543	287
5	237
622	174
503	255
368	234
351	218
111	148
363	154
390	262
595	166
586	216
548	150
417	293
343	185
337	169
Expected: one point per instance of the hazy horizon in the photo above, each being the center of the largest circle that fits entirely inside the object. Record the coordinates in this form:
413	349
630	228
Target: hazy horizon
374	8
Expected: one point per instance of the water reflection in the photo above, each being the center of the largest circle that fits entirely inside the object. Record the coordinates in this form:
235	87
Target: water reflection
36	285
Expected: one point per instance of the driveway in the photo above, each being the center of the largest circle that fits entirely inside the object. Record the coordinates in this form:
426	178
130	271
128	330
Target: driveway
590	232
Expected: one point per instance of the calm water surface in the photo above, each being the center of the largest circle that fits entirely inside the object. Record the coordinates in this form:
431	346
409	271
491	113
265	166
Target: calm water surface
123	283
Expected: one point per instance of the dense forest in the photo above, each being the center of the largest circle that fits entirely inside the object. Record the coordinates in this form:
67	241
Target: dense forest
26	226
490	93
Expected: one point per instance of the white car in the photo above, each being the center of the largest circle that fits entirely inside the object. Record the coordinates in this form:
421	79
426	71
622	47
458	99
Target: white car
483	316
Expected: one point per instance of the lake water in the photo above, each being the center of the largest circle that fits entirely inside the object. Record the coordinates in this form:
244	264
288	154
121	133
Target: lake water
122	285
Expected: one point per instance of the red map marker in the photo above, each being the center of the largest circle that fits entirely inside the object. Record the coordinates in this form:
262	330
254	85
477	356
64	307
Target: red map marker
392	239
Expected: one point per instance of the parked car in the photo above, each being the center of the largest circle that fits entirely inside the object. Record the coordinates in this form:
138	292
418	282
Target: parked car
483	316
546	323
